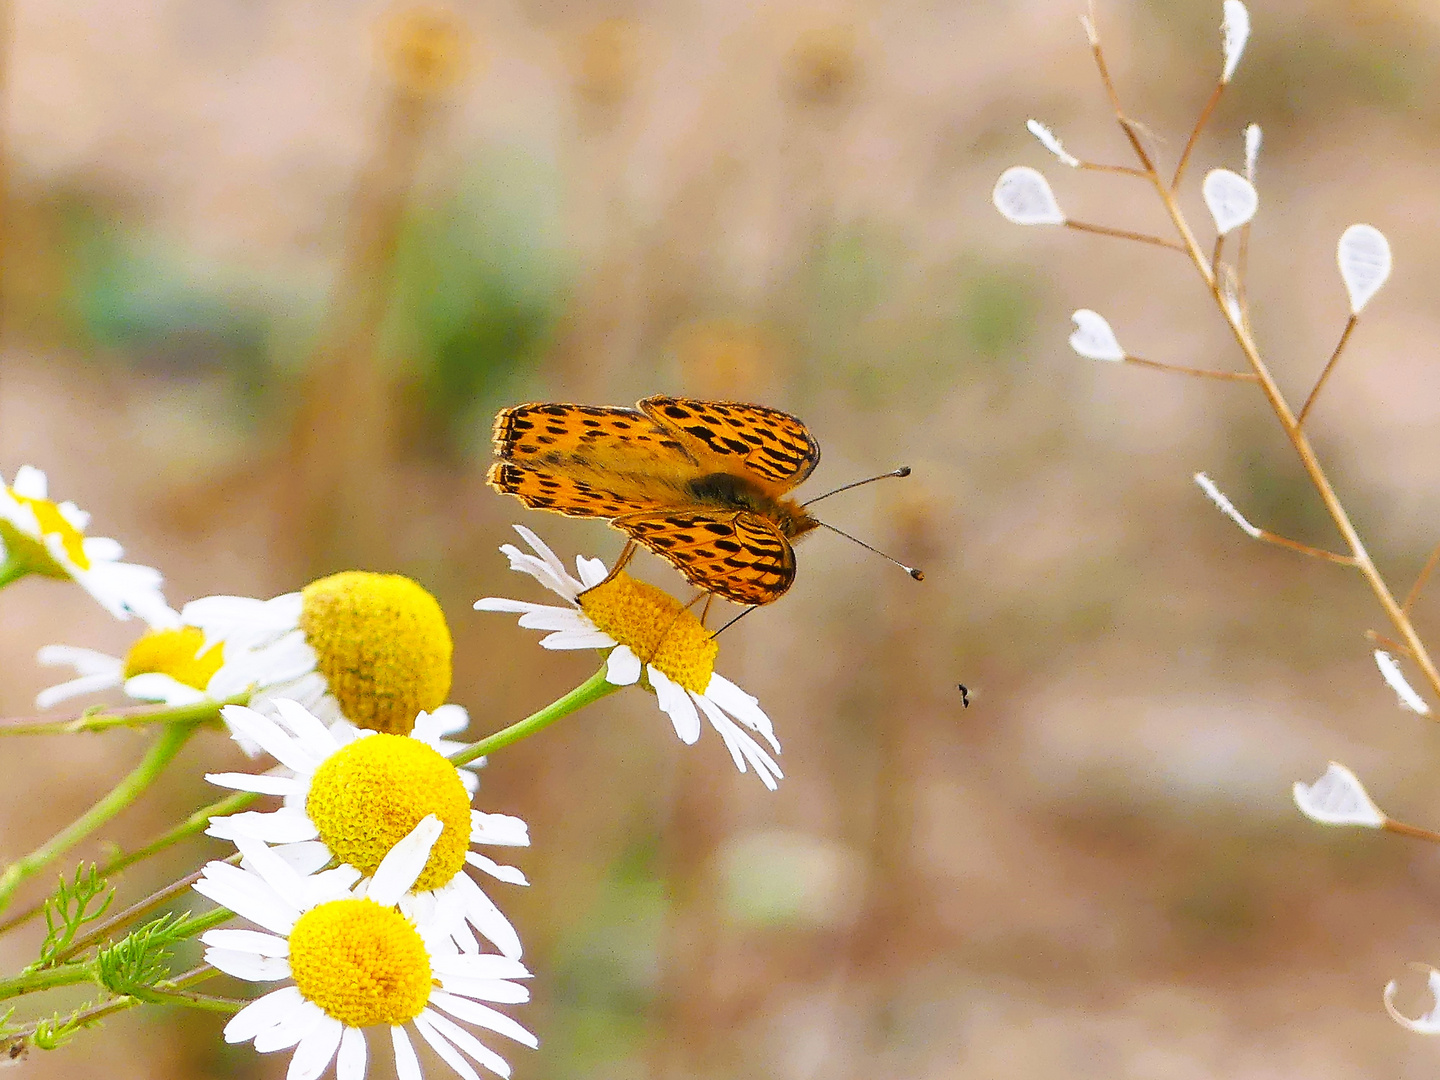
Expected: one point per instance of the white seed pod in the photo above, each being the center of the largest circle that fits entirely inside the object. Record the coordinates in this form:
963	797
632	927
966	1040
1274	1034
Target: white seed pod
1231	199
1023	195
1236	29
1049	140
1364	257
1225	506
1429	1023
1395	679
1338	798
1093	338
1252	150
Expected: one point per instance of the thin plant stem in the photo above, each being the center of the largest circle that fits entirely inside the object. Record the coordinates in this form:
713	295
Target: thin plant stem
1195	133
1425	572
1329	367
195	823
14	1045
1413	831
1203	373
129	717
32	982
1123	170
1305	549
162	751
1124	234
1387	643
591	690
1215	259
1308	460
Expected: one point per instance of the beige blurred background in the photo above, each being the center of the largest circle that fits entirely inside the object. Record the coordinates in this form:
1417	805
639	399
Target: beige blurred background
270	268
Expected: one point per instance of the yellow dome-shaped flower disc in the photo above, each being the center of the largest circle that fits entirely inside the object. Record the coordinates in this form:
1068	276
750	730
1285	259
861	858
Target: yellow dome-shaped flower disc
383	645
175	653
367	796
363	964
655	627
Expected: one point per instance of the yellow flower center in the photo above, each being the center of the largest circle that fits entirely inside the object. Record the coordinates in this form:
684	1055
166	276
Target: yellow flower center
32	549
176	653
382	643
367	796
363	964
655	627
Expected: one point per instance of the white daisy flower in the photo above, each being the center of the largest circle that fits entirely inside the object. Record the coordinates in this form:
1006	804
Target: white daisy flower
42	537
351	795
350	961
652	641
169	663
370	650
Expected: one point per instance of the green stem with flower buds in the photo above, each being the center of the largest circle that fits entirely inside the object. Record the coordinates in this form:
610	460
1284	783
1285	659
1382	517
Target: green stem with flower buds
160	754
588	692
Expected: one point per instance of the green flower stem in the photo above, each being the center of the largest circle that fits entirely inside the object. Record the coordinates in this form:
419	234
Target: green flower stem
162	751
12	570
45	979
104	720
196	925
588	692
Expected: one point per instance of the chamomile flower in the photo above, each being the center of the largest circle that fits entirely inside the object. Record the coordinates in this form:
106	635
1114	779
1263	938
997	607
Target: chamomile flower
652	641
38	536
351	961
169	663
351	795
368	650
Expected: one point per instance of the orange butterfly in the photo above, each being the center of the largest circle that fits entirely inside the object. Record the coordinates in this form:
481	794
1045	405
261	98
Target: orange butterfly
700	483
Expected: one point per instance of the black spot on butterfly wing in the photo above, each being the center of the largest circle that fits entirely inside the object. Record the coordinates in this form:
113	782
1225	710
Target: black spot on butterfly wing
739	556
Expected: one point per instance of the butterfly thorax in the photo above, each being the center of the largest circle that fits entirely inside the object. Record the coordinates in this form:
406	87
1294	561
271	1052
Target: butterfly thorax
732	492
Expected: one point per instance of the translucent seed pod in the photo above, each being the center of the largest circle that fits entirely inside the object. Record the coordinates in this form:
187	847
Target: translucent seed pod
1231	199
1093	338
1338	798
1023	195
1364	258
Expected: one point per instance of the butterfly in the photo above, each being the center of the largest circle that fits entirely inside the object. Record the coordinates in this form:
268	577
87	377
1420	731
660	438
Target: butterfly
702	484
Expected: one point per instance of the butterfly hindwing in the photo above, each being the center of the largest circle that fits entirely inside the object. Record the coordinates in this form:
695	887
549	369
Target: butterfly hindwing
740	556
771	447
542	489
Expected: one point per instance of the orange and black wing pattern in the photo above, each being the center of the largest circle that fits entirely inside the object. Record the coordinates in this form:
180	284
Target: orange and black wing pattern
739	556
767	446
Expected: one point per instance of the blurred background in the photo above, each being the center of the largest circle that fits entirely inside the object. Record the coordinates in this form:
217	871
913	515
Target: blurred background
269	269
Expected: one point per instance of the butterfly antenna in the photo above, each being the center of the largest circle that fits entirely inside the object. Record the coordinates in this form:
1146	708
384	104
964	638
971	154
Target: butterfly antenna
733	621
904	470
918	575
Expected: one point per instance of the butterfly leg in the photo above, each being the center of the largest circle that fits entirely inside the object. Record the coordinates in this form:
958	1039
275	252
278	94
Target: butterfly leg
626	554
706	609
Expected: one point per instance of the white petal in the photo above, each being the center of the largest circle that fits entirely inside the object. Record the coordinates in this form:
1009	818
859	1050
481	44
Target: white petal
1364	257
316	1050
314	737
30	483
1236	30
275	741
156	686
1023	195
263	1012
1225	506
402	864
480	966
744	707
676	704
350	1065
1050	142
468	1043
284	826
447	1053
446	720
248	896
1338	798
509	874
622	666
84	661
263	783
481	913
251	941
248	966
502	830
1395	679
475	1013
1231	199
86	684
556	618
577	639
592	571
292	1028
1093	338
305	857
1429	1023
407	1065
1252	150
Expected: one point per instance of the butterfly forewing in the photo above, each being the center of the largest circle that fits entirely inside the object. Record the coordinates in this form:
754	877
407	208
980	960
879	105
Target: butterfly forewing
739	556
771	447
543	489
588	436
